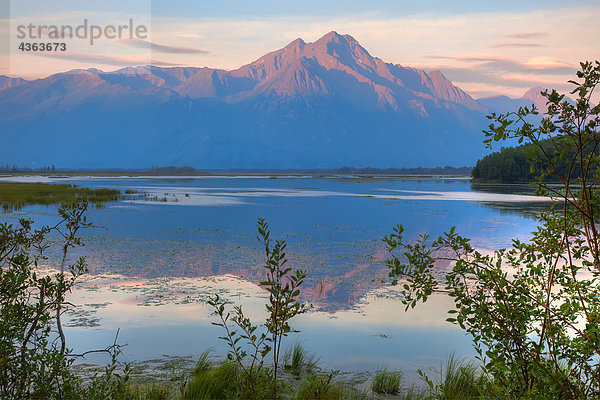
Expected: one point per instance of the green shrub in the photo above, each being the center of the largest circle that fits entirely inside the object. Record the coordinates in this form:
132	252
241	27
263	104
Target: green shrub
34	364
248	345
532	310
31	364
112	384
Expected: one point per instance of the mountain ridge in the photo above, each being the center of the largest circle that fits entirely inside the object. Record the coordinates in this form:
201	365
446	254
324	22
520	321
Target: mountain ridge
321	104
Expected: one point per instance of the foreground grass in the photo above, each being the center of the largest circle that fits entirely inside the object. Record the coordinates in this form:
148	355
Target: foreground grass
15	195
386	382
297	361
218	379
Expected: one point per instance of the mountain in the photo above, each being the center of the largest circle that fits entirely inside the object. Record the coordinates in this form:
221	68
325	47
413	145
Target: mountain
308	105
534	96
7	82
503	104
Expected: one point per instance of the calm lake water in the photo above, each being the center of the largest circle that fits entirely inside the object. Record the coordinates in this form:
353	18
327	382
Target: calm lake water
155	258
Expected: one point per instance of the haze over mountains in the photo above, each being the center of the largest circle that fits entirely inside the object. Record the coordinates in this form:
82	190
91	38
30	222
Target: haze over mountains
309	105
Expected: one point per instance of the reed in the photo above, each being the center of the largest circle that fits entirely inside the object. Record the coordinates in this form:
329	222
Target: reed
386	382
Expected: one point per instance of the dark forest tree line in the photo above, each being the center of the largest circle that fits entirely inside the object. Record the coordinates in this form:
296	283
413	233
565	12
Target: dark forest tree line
523	163
16	169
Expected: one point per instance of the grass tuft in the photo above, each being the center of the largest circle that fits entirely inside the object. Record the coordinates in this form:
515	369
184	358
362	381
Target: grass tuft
213	381
297	360
415	394
203	363
386	382
153	391
458	380
320	387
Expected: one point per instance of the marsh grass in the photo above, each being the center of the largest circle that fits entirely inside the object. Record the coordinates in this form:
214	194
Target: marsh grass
226	380
386	382
298	361
16	195
458	380
461	380
152	391
415	394
323	387
210	381
218	379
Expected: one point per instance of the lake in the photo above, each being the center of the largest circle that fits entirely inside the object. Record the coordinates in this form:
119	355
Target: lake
156	256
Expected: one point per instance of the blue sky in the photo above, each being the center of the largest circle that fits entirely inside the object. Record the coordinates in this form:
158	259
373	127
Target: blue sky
270	8
486	48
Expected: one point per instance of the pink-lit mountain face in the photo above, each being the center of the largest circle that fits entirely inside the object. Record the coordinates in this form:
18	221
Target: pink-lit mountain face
334	65
308	105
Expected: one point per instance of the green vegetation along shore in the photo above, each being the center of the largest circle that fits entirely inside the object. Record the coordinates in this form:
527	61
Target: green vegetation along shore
15	195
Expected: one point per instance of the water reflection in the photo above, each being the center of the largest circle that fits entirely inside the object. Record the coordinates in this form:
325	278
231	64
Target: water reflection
529	210
169	317
154	262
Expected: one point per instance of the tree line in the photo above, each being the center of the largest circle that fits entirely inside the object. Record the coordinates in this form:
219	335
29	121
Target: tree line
526	162
16	169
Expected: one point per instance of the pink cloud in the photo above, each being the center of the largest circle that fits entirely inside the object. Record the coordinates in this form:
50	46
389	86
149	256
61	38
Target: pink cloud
526	35
500	65
516	44
106	60
144	44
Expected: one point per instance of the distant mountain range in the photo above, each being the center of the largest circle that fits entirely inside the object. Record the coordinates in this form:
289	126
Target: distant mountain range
324	104
503	104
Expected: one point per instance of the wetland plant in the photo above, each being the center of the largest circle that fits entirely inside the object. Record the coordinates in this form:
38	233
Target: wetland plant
249	347
34	363
218	381
458	380
15	195
31	363
532	310
298	361
386	382
322	387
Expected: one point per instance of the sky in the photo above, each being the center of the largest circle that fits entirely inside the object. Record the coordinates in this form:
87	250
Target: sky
485	48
